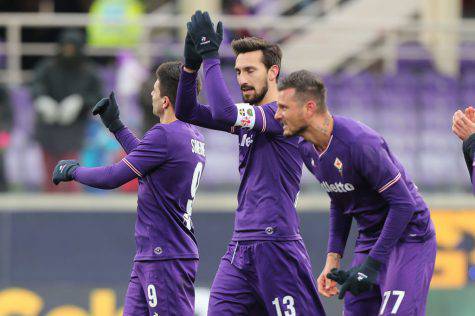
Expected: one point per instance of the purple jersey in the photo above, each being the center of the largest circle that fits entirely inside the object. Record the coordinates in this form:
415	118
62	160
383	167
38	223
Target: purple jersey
362	178
270	165
270	169
168	162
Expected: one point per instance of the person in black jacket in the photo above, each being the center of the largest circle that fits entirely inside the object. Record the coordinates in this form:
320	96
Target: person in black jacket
64	88
463	125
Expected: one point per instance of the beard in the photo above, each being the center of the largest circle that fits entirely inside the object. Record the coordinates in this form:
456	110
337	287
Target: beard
298	131
257	97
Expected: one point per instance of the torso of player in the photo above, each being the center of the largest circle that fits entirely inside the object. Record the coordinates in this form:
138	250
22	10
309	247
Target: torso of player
351	193
164	228
270	169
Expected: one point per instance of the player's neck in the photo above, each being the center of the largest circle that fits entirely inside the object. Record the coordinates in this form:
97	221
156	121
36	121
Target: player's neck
271	96
168	117
319	131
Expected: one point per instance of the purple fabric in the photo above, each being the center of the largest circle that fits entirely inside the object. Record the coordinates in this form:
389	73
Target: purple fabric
126	139
406	275
367	182
106	177
187	108
265	278
161	288
270	166
223	108
168	161
340	225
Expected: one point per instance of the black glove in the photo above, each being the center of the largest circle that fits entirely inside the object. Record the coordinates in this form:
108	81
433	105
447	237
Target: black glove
193	60
64	171
357	280
109	111
206	39
338	275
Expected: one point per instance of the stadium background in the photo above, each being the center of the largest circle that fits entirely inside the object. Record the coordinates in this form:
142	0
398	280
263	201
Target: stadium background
403	67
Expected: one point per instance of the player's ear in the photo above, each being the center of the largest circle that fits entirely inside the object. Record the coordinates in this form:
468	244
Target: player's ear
166	102
311	107
273	72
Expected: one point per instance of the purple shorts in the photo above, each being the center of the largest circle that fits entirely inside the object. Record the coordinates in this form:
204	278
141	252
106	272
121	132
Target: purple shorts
161	288
265	278
403	283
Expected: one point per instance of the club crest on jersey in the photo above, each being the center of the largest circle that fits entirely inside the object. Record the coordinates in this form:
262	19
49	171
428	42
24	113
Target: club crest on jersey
339	166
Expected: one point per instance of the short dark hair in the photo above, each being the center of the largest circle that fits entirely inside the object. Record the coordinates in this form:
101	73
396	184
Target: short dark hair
168	75
307	87
272	54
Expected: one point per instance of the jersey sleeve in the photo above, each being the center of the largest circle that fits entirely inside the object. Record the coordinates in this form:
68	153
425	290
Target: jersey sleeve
224	110
106	177
127	139
150	153
374	163
339	228
187	108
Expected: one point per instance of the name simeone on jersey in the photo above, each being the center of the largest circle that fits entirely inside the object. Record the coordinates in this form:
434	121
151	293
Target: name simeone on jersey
198	147
337	187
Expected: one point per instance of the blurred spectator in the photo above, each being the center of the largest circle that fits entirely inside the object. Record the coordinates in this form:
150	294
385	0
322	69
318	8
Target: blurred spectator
236	7
130	76
64	88
148	120
6	121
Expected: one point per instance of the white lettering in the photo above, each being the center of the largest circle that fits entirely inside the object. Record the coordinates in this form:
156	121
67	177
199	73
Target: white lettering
337	187
197	147
246	141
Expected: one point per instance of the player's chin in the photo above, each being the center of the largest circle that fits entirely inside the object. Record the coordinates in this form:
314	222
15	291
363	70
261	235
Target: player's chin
287	131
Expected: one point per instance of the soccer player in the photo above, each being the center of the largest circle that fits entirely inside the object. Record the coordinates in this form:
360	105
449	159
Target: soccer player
463	125
168	162
266	269
395	249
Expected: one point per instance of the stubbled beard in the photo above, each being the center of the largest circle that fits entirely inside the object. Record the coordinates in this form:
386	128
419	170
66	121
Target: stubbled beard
299	131
258	97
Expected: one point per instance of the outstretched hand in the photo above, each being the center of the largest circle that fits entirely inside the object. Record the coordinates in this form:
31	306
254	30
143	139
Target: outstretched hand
205	38
108	109
63	171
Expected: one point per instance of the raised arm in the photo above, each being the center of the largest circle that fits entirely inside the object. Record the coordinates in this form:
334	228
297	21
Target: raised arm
107	177
147	156
187	108
108	110
224	110
127	139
